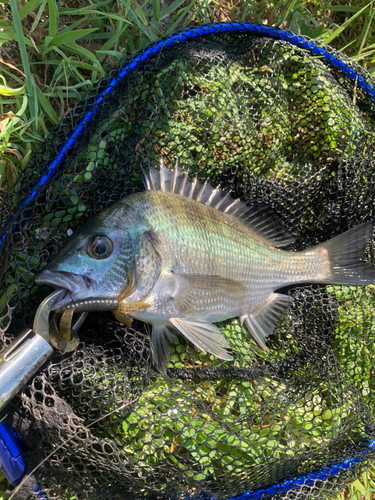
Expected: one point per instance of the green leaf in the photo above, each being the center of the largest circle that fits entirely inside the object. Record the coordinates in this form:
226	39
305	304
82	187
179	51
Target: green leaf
46	106
96	13
156	9
88	67
29	7
7	91
359	486
366	29
113	53
39	15
65	38
347	23
53	15
25	63
70	11
47	41
75	25
346	8
81	51
178	18
130	42
171	8
2	171
22	109
110	43
13	36
140	12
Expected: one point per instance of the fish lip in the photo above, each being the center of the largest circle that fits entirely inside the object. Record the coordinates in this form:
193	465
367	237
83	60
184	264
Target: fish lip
75	285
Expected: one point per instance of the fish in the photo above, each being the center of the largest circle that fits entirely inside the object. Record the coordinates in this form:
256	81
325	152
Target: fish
182	256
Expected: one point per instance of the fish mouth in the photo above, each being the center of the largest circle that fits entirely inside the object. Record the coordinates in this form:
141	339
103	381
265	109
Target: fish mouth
76	285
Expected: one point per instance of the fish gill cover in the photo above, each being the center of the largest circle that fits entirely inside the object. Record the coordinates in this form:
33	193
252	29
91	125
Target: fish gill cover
282	124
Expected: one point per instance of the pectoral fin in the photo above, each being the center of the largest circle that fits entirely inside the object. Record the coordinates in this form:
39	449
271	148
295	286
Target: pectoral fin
194	290
206	336
262	321
161	339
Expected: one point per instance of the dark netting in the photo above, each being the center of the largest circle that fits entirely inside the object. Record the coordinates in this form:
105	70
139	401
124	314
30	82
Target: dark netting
282	128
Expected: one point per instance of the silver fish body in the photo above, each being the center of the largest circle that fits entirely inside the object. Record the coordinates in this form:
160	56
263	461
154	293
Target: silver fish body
214	266
182	256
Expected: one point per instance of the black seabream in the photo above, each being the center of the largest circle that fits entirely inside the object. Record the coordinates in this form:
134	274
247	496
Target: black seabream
183	256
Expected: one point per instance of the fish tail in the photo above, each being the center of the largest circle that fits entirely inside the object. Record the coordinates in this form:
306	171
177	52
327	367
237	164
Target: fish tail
345	252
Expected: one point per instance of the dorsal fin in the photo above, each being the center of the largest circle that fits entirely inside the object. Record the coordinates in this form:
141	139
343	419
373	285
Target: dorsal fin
178	182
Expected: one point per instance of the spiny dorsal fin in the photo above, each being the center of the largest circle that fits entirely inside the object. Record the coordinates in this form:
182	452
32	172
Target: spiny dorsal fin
178	182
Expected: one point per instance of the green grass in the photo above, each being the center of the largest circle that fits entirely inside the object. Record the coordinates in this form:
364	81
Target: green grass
55	52
64	49
3	485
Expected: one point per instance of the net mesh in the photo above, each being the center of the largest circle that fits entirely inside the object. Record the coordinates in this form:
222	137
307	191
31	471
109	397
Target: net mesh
281	129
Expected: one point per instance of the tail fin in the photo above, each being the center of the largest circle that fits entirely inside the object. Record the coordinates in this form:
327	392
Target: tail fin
345	252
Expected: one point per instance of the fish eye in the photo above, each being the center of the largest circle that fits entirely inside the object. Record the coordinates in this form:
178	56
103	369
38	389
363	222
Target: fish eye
100	247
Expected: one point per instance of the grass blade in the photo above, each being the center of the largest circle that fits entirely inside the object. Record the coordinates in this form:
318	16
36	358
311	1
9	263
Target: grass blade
82	52
53	17
39	15
112	53
110	43
130	42
25	63
5	37
7	91
28	8
347	23
2	171
345	8
179	16
357	485
93	12
46	106
286	14
140	12
366	30
174	6
156	10
65	38
73	11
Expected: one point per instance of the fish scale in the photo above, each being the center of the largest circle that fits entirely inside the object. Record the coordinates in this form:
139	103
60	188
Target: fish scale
230	251
200	257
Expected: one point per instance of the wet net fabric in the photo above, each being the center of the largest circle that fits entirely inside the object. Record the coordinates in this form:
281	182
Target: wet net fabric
281	129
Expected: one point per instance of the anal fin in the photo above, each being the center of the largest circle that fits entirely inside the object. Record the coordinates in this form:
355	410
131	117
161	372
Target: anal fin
263	320
206	336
